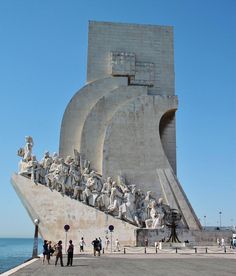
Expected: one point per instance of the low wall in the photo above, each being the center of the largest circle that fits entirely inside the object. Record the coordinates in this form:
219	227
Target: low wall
194	237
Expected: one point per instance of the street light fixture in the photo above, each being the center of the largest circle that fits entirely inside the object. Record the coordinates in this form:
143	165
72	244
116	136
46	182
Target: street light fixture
36	232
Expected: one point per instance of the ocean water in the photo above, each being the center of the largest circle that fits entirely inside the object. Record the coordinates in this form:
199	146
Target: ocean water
15	251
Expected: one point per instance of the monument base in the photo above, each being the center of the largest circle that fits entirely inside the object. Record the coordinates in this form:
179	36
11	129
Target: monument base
190	237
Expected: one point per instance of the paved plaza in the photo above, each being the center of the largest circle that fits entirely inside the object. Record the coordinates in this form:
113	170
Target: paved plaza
165	263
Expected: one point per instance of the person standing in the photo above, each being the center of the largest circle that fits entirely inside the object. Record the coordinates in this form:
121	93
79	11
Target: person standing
59	253
100	243
107	242
222	242
146	242
82	244
45	251
70	252
117	244
96	247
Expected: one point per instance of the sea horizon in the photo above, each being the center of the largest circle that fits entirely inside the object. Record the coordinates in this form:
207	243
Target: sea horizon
15	251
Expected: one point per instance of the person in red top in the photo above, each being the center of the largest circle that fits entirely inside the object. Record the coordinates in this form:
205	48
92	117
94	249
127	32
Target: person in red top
70	252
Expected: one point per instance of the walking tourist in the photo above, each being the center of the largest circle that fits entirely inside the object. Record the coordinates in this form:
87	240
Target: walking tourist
59	253
96	247
70	252
117	245
107	242
81	245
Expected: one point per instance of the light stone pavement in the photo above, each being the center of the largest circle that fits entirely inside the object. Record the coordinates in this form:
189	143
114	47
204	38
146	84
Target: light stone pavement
135	262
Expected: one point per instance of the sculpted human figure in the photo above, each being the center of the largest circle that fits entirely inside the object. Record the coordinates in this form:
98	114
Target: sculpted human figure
45	163
103	200
34	169
115	199
28	148
161	210
127	209
92	187
121	183
50	177
26	154
60	176
153	215
157	214
77	158
72	179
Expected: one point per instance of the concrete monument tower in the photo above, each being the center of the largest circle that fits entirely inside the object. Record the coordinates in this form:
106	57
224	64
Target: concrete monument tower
117	156
123	119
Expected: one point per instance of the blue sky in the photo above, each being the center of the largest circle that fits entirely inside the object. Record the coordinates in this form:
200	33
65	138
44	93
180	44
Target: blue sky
43	55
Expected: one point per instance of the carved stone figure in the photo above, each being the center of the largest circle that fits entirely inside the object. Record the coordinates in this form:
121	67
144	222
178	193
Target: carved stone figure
60	176
92	187
68	177
103	200
28	148
50	177
127	209
153	215
115	199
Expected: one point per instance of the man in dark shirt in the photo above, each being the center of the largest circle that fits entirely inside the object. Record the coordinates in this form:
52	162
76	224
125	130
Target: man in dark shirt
96	247
70	252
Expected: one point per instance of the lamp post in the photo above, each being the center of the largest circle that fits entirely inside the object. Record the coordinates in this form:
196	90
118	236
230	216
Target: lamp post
66	228
205	222
36	232
220	218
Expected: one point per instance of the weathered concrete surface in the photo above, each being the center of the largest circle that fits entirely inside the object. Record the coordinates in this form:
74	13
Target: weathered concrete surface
54	211
97	121
132	144
149	43
159	264
78	109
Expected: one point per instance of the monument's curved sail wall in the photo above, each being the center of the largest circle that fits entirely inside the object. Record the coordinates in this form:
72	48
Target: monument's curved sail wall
123	120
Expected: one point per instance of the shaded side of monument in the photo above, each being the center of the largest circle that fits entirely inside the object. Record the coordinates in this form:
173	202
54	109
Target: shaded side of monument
123	119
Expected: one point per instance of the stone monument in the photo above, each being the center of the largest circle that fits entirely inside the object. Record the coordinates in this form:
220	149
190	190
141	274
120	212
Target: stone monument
117	157
123	119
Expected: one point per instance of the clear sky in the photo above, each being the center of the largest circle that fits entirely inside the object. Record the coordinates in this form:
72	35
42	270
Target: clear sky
43	52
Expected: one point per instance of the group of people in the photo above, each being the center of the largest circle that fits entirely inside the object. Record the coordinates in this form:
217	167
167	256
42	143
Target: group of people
56	250
49	250
73	177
